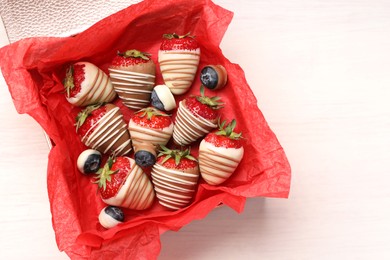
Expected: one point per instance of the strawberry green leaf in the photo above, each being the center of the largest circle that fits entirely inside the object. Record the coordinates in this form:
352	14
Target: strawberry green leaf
135	54
69	80
104	174
176	154
212	102
228	130
83	115
170	36
149	112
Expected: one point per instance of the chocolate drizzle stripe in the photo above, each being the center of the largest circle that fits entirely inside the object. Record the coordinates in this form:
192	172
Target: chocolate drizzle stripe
216	165
131	81
173	206
166	174
188	127
189	52
110	126
173	196
121	90
133	73
82	99
169	185
136	192
136	179
142	134
133	88
105	131
210	153
162	188
175	65
171	199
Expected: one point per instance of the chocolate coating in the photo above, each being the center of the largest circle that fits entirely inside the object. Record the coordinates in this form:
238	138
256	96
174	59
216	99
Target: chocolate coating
213	76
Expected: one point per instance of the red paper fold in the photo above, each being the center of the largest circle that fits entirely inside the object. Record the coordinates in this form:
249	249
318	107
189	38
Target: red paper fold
33	69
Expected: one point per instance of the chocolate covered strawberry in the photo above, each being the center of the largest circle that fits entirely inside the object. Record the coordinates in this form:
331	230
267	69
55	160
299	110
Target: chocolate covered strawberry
86	84
102	127
179	59
175	176
133	76
220	152
196	116
150	125
122	183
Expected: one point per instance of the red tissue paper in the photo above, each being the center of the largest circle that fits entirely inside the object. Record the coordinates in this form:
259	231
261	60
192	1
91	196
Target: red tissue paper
33	69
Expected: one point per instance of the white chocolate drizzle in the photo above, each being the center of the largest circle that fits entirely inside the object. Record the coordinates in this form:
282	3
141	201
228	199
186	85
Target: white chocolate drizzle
174	188
140	134
134	88
217	164
95	88
110	126
178	68
136	193
188	127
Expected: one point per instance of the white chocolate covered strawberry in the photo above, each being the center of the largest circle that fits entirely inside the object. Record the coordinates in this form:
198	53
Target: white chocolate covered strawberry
179	59
102	127
175	176
122	183
86	84
220	152
150	125
133	76
196	116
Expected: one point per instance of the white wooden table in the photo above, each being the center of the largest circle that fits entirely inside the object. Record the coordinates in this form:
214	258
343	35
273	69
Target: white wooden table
320	71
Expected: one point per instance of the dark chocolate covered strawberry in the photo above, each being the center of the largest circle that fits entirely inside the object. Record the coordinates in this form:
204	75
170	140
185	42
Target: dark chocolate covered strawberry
220	152
196	116
122	183
179	57
175	176
86	84
133	76
102	127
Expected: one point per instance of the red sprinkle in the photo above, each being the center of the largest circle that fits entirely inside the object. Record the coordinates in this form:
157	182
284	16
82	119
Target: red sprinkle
199	109
187	43
119	61
123	167
78	78
183	165
91	120
155	122
222	141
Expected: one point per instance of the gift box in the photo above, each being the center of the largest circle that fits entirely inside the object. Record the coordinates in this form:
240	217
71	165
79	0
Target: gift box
34	69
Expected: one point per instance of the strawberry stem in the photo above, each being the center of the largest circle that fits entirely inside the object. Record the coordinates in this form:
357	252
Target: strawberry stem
212	102
228	131
176	154
69	81
176	36
150	112
104	174
83	115
135	54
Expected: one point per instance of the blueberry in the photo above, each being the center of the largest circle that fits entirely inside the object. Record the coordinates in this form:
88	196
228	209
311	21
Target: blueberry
89	161
115	212
144	158
111	216
156	102
209	77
